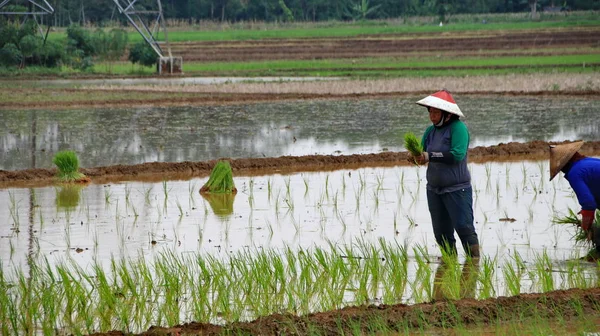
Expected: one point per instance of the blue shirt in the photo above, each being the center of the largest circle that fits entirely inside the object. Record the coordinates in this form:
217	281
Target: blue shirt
584	178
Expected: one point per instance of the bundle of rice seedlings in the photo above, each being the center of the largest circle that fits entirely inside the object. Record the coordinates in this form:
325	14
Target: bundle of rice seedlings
68	167
580	236
412	144
220	180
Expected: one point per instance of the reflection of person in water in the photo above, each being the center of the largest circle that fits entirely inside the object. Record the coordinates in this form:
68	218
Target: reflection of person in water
445	276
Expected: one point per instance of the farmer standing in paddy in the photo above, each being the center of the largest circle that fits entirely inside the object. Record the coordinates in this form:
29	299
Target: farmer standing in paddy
583	174
449	192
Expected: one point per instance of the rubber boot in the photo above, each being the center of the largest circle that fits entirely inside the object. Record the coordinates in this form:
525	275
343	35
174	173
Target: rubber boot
473	251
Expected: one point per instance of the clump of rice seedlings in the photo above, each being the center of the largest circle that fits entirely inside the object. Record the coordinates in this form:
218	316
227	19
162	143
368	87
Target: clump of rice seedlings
412	144
68	167
220	180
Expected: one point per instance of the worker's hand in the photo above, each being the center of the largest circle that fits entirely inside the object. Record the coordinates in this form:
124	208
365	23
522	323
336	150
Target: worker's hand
423	159
587	218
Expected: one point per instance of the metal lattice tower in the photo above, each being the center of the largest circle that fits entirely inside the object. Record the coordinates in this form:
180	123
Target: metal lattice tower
36	8
140	19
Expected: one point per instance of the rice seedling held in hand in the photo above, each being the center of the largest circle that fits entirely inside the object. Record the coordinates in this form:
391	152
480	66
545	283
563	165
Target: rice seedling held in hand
572	218
414	147
412	144
68	167
581	235
220	180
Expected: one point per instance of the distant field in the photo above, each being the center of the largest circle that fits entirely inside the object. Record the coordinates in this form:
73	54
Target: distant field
381	67
351	30
469	45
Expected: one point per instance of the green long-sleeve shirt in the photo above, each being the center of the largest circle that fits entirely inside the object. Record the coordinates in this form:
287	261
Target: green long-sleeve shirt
459	142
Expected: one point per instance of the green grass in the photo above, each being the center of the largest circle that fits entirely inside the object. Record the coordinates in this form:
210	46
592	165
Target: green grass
381	67
375	63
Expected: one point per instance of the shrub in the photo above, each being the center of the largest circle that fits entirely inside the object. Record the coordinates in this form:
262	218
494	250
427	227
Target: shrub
10	55
29	45
8	34
80	39
143	54
51	54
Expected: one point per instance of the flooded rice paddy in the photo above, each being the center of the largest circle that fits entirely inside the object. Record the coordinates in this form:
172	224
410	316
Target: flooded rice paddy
162	254
514	208
130	136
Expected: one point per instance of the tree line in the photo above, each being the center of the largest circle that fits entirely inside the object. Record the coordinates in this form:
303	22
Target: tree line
21	45
98	12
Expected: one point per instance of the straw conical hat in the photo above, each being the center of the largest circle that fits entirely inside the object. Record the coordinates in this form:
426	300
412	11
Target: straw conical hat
560	155
442	100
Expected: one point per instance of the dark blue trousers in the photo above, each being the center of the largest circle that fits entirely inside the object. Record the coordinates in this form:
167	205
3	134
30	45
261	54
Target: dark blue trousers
451	212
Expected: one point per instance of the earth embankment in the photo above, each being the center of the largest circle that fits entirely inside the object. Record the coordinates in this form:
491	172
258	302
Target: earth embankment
158	171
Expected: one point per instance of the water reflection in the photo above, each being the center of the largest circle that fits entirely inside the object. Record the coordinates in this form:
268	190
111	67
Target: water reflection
116	136
220	203
453	282
67	196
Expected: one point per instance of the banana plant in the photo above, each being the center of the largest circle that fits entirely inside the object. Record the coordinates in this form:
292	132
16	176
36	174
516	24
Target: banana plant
362	9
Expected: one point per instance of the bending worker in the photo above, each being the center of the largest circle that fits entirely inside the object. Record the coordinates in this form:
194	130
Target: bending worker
583	174
449	191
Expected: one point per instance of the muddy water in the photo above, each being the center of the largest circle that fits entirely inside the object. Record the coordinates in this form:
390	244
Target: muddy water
514	206
114	136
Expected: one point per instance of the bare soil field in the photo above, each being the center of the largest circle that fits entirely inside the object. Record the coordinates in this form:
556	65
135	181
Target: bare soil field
457	44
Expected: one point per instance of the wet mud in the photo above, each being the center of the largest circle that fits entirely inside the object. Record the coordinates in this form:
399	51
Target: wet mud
158	171
437	315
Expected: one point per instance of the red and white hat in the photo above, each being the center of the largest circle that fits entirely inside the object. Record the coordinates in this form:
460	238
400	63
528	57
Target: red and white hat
443	101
